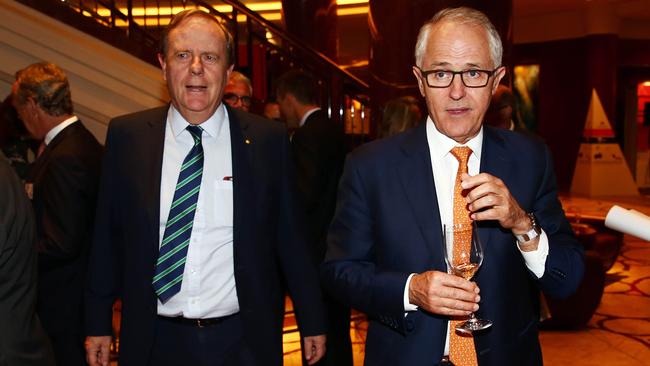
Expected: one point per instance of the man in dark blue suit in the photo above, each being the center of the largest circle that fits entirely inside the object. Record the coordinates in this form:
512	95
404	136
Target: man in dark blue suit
385	250
201	285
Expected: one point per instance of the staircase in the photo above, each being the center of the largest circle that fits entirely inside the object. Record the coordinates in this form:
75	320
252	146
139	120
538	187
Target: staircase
264	50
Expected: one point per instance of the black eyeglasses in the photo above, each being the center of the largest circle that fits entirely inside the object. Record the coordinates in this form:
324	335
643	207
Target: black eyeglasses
472	78
232	98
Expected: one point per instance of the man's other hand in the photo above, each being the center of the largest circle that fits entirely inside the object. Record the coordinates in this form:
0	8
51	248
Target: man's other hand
314	347
443	293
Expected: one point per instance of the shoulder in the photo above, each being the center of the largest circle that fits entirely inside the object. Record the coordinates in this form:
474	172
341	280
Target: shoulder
82	135
519	144
137	125
379	152
257	125
153	115
318	121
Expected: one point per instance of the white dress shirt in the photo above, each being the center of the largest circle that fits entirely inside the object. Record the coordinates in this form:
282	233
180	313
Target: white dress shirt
51	134
208	287
445	167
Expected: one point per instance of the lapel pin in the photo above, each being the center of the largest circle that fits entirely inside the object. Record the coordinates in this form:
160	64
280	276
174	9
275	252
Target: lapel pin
247	141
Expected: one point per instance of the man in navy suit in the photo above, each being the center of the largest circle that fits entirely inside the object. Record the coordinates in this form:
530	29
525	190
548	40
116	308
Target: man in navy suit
385	254
225	303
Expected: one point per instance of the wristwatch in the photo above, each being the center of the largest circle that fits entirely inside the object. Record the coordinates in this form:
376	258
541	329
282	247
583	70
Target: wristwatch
534	232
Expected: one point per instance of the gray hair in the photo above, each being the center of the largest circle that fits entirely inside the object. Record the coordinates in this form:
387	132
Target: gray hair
47	85
461	15
237	76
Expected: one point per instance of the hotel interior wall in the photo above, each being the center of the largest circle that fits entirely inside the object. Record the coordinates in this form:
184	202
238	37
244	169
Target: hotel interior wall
601	46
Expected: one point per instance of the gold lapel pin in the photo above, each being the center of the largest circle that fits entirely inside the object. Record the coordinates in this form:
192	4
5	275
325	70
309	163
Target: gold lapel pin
247	141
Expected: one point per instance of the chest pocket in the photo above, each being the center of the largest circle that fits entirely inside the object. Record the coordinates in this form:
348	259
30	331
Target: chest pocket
223	199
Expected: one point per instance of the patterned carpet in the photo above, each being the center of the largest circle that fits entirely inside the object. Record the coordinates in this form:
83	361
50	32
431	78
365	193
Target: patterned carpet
619	332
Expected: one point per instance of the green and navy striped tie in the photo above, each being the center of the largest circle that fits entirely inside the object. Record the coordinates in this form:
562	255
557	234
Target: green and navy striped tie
173	250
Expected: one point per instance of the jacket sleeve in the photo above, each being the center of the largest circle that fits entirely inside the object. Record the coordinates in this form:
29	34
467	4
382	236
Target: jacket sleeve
349	272
565	261
103	279
297	264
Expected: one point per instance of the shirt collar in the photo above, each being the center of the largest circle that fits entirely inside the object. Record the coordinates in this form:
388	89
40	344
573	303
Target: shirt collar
306	115
51	134
213	126
440	145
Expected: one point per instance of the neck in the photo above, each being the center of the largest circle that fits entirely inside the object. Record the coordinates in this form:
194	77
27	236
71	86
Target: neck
303	109
49	122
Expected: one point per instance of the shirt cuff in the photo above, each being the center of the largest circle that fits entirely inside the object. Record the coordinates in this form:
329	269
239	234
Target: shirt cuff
407	305
536	260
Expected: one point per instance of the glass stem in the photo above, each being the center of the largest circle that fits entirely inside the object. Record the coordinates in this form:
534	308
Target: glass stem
472	318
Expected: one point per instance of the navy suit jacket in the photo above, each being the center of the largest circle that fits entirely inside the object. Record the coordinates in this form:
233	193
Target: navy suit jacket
387	226
267	240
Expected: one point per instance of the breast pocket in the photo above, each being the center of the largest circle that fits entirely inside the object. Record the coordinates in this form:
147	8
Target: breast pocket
223	209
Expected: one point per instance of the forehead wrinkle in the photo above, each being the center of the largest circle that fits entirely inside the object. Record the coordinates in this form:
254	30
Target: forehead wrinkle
193	32
458	45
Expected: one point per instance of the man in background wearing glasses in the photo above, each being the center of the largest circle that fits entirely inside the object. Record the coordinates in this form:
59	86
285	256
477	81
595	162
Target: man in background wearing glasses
385	248
238	92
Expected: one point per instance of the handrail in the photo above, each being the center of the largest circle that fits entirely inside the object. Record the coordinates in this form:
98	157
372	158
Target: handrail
288	37
346	94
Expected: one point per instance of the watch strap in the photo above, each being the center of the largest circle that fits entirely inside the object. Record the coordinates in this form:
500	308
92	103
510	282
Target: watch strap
534	232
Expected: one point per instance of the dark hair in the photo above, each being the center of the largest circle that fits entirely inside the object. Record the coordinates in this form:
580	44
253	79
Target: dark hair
181	17
47	85
299	84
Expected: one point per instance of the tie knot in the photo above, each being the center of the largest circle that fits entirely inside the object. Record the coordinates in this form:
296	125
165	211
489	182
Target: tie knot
196	132
461	153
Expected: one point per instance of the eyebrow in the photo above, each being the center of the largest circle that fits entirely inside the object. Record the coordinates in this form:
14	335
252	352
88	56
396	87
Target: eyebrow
468	65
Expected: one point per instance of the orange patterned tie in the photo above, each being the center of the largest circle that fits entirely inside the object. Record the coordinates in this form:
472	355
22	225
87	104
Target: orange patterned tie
461	346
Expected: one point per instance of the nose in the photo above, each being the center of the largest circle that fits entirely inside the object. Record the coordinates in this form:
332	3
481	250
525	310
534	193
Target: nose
457	88
197	65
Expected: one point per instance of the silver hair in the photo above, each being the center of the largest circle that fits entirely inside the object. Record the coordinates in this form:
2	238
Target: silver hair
461	15
237	76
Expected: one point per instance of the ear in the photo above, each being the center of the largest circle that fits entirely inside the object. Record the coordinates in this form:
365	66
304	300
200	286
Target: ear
31	106
421	83
163	65
501	72
228	72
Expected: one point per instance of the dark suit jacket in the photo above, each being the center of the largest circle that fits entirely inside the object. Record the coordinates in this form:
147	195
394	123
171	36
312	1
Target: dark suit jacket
387	225
65	181
318	151
267	240
22	340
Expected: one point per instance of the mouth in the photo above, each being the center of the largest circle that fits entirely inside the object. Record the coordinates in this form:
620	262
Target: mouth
196	88
457	111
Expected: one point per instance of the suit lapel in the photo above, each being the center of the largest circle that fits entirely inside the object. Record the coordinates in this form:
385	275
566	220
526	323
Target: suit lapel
153	148
241	145
416	176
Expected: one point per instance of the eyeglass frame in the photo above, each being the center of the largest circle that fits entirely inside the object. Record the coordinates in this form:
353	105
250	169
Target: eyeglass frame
426	73
244	99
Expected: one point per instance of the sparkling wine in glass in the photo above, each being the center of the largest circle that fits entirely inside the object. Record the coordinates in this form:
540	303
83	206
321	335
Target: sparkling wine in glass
464	255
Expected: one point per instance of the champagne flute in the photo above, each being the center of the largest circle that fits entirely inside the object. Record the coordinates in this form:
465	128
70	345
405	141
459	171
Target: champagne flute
464	260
